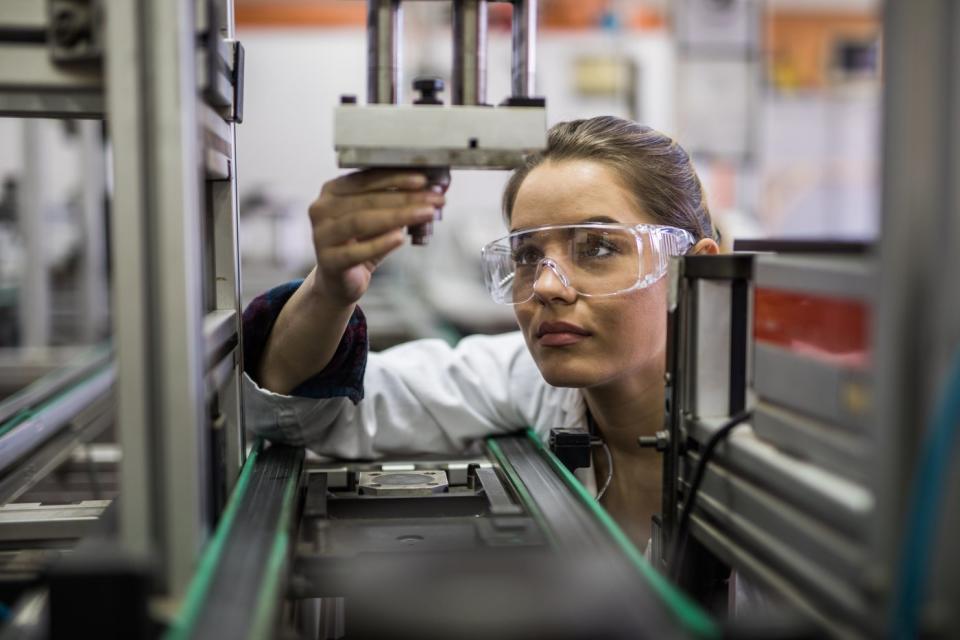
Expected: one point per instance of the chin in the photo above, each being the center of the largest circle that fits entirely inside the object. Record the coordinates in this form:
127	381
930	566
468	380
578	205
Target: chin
565	374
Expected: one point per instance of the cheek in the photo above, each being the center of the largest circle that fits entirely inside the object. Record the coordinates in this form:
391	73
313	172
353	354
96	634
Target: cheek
636	324
524	315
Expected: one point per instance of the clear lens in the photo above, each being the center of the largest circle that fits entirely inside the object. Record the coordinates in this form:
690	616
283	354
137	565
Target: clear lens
595	259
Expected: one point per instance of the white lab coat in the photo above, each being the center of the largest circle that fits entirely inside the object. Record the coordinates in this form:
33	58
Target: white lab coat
422	397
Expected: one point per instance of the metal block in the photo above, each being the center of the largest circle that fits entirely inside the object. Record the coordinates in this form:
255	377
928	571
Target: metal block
76	34
836	394
402	483
457	472
423	135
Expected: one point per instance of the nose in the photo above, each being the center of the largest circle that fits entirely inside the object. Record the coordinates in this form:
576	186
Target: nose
551	284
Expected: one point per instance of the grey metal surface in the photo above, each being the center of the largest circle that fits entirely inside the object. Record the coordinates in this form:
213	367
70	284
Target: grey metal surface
566	518
28	67
424	127
823	444
402	483
384	19
219	333
739	554
94	297
497	496
710	394
36	522
63	104
523	63
152	105
918	322
23	14
227	277
469	68
838	394
44	423
90	422
62	376
805	545
849	278
33	306
829	497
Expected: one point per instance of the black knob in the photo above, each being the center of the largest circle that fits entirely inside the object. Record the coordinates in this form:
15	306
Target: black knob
428	87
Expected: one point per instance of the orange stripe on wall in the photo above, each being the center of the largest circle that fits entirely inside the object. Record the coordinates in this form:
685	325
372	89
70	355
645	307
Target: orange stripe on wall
339	13
556	14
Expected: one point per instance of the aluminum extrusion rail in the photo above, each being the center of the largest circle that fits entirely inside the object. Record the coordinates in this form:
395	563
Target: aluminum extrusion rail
239	587
37	440
576	523
54	383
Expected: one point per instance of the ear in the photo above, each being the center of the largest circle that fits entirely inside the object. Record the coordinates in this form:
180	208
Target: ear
705	247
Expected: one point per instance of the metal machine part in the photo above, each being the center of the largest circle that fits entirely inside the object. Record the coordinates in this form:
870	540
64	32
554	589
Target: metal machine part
467	134
402	483
789	501
166	75
512	548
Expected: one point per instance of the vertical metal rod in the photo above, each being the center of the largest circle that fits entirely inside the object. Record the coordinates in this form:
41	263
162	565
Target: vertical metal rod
524	62
384	18
469	52
95	299
34	296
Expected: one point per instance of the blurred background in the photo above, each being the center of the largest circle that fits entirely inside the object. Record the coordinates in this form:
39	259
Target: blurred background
777	101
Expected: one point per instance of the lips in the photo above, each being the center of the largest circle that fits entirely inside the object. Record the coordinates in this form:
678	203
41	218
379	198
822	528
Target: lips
560	334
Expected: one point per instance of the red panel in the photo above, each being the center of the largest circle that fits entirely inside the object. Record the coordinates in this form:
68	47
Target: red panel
831	329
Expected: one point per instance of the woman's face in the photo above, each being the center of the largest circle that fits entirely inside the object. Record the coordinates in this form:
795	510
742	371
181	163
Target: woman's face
622	334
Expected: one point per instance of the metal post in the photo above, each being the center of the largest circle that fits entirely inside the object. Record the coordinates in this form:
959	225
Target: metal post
93	278
469	52
34	292
524	61
384	19
152	109
918	328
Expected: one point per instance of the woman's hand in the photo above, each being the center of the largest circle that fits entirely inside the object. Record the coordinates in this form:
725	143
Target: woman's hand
360	218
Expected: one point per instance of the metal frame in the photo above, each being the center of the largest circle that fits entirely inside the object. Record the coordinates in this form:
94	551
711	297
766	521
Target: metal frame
829	542
167	77
918	319
171	151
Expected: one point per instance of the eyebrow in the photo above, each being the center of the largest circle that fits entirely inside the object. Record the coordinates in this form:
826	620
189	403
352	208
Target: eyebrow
590	219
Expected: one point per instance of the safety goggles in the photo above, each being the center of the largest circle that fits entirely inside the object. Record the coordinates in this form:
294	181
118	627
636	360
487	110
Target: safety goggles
596	258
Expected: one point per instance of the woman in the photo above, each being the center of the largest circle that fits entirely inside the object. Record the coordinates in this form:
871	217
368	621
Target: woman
593	220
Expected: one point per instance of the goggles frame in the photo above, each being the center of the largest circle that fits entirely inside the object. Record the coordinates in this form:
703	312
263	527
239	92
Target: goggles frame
674	240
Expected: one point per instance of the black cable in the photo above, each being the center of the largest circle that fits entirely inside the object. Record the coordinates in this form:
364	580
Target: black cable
683	527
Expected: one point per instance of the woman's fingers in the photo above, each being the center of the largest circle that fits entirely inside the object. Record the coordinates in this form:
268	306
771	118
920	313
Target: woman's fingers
375	180
341	258
363	225
344	205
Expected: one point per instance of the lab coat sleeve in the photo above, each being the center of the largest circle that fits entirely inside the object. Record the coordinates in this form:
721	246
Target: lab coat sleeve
343	375
420	397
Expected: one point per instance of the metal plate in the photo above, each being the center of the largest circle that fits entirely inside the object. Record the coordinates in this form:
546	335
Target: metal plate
402	483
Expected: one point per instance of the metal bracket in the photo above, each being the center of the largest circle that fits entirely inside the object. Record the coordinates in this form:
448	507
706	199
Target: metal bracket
237	79
75	32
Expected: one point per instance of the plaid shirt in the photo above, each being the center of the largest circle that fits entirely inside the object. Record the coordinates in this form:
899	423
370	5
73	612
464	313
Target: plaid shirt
343	375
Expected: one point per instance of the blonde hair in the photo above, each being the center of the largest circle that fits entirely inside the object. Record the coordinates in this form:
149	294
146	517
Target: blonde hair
650	165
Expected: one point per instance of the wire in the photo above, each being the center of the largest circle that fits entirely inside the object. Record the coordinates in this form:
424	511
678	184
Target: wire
597	442
683	527
931	474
